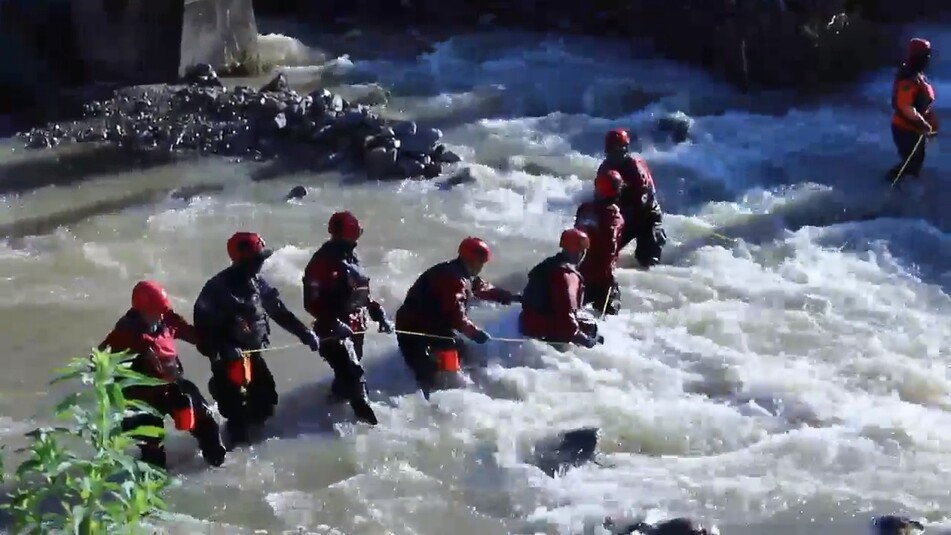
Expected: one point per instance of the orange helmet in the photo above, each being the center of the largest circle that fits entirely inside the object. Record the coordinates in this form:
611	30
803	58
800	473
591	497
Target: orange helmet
473	249
148	297
345	225
608	184
247	245
574	241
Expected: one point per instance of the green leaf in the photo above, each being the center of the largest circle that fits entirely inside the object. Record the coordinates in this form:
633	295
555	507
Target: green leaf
146	431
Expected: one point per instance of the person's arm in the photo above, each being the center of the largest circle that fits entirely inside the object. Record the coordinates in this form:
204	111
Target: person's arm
452	301
277	310
320	282
485	291
905	104
181	329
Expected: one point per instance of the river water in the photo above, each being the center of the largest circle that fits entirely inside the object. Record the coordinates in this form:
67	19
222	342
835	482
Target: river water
784	375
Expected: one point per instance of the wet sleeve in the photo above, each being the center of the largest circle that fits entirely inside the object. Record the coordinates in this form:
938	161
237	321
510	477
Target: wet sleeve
485	291
616	224
452	296
275	307
564	296
182	329
114	341
212	319
321	278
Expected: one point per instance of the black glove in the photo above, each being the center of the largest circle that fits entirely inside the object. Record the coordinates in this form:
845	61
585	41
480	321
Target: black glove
385	326
509	299
342	330
584	340
599	339
310	340
660	236
480	337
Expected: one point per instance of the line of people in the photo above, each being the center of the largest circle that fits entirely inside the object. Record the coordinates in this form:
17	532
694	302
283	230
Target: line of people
233	311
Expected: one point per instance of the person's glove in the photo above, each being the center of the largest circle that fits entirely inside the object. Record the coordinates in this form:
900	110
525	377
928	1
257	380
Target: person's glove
342	330
584	340
310	340
599	339
480	336
508	299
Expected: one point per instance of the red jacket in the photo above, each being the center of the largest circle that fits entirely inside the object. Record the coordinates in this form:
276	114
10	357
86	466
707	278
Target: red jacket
638	202
551	301
603	223
157	354
912	89
337	288
437	302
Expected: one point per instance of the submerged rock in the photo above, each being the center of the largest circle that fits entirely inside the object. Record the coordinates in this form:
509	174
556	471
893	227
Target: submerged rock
203	116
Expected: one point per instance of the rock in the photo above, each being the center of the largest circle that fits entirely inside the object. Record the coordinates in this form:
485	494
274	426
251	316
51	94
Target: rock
677	125
202	75
570	449
277	85
422	141
297	192
896	525
410	168
443	155
676	526
404	129
380	162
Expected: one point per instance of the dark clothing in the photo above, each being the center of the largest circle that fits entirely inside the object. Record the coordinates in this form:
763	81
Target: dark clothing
437	302
909	150
640	209
157	357
603	223
436	305
232	315
551	301
337	291
174	397
419	353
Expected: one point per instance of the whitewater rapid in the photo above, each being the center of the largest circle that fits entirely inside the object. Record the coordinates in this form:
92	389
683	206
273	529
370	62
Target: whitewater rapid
785	375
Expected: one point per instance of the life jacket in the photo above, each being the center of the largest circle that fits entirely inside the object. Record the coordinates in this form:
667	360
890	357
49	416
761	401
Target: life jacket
354	289
158	343
536	297
251	327
422	301
924	96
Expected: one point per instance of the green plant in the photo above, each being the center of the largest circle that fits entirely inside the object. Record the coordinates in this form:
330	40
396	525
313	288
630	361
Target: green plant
104	490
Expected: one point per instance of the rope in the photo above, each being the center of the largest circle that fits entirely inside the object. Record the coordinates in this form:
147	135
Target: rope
908	159
398	331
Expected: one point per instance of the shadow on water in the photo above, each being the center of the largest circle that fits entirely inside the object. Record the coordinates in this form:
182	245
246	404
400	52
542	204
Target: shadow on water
76	166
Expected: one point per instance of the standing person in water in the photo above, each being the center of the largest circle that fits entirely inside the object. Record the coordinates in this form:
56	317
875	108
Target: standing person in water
337	295
554	295
232	315
913	120
149	330
601	220
638	201
436	305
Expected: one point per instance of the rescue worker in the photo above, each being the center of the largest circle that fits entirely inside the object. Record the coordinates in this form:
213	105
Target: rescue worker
553	298
601	220
913	120
149	330
638	201
232	317
337	295
436	305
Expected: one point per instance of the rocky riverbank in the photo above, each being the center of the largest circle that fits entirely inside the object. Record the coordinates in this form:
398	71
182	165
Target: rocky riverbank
201	115
809	45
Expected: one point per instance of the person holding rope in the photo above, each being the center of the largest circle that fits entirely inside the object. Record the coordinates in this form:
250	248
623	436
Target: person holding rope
232	315
554	296
913	119
601	220
337	295
149	330
436	305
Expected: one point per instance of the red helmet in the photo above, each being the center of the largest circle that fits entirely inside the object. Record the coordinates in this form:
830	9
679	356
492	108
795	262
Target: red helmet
574	240
345	225
247	245
616	139
918	47
473	249
608	184
148	297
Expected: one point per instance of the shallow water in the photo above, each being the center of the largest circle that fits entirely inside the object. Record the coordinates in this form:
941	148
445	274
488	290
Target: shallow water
790	381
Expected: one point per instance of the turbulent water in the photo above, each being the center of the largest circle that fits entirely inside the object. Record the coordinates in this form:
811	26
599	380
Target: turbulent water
784	375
